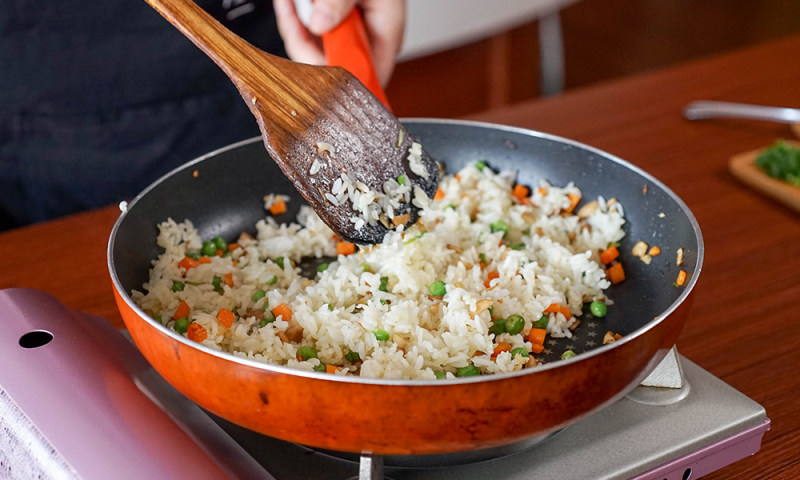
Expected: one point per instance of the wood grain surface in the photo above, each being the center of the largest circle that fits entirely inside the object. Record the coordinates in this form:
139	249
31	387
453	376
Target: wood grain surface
745	323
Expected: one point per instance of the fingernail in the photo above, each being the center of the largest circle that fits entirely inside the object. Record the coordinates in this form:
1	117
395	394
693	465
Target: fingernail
322	19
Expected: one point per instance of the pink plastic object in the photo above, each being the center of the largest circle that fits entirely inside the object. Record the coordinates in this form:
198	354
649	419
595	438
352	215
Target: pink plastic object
70	406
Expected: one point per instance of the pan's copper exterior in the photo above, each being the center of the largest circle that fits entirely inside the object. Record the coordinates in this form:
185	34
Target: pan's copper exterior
412	417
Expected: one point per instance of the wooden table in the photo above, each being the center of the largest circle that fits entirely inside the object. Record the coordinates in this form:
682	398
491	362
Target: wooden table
745	324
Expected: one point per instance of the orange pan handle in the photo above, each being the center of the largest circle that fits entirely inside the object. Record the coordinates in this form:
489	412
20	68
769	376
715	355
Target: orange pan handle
347	46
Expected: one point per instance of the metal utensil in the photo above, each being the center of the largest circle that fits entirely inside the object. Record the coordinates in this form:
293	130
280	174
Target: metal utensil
703	109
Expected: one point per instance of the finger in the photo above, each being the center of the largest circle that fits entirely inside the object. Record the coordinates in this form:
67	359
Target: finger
300	45
326	14
385	24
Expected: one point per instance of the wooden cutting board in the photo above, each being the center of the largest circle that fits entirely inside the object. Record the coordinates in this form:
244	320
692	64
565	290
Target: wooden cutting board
743	166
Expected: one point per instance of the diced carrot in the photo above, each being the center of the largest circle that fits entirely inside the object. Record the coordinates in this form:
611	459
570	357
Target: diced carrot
542	191
439	194
609	254
574	199
565	311
282	311
537	348
520	192
205	259
188	262
615	273
345	248
196	332
617	336
681	278
654	251
331	368
491	276
225	317
232	246
501	347
458	177
183	310
553	308
537	335
229	279
278	207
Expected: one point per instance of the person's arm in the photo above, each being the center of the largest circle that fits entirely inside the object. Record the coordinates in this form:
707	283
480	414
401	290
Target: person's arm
384	21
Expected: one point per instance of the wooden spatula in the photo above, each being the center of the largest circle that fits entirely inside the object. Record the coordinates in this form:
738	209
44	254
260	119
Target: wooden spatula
345	152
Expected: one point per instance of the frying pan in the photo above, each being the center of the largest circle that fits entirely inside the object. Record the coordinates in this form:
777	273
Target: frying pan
221	193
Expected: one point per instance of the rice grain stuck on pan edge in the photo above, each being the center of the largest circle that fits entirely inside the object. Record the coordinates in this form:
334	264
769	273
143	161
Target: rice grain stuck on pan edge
422	304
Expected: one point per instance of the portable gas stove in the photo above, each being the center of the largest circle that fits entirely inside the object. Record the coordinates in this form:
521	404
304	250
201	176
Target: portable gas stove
77	400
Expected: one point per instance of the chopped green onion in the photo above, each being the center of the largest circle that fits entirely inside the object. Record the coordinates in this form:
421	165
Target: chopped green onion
322	267
482	256
217	283
401	179
279	261
542	322
480	165
499	226
438	288
439	374
258	295
178	286
273	280
266	321
384	284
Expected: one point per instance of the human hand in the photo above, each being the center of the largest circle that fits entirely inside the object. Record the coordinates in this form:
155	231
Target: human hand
384	22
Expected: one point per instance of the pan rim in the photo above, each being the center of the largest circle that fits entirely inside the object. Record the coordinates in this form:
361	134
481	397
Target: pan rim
281	369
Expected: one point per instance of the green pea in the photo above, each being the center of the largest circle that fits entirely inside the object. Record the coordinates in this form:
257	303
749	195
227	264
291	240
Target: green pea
209	248
384	284
193	254
158	317
499	326
273	280
519	351
181	325
258	295
322	267
568	354
499	226
216	282
598	309
352	356
468	371
178	286
220	243
480	165
439	374
438	288
514	324
320	368
542	322
305	352
401	179
381	335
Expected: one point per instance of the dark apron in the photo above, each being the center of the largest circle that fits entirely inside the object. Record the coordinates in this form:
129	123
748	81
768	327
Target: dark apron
99	99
